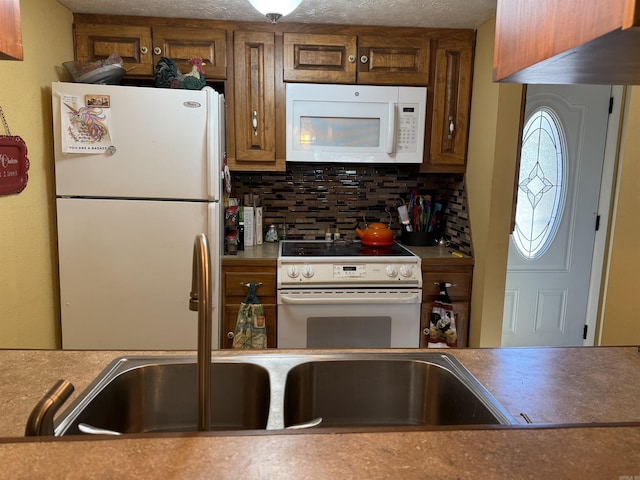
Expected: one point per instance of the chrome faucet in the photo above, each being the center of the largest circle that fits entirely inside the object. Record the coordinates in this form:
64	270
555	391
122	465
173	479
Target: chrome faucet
200	301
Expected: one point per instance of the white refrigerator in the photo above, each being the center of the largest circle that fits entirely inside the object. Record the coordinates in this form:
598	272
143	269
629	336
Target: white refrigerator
137	175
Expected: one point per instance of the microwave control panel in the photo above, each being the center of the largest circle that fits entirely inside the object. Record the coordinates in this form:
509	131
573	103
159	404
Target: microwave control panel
408	122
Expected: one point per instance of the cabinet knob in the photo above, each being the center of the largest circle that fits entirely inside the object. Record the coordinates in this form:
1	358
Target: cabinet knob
351	58
364	59
451	127
144	50
230	335
157	51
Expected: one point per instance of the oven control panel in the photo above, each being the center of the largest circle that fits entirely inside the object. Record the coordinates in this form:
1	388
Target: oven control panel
299	272
349	271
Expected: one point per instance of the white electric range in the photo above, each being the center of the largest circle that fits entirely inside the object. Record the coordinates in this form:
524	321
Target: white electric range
341	294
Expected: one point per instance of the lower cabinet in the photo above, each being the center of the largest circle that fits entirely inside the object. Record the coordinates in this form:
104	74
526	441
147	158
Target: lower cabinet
234	290
460	278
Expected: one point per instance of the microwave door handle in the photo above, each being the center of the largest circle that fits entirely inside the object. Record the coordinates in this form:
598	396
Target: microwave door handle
391	133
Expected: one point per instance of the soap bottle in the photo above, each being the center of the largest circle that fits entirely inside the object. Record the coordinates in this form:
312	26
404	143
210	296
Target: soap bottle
327	234
336	234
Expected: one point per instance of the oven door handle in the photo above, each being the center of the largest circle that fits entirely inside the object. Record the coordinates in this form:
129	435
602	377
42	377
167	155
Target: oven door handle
349	299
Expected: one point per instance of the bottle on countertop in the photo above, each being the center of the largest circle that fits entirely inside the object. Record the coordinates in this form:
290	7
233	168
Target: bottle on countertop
272	234
241	236
336	233
327	234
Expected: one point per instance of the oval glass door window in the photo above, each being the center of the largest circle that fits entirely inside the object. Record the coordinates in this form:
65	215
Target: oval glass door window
541	184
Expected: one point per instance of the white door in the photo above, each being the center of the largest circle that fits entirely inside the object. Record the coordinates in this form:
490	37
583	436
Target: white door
550	252
125	272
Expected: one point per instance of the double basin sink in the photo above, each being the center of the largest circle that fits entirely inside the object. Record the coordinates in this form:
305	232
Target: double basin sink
145	394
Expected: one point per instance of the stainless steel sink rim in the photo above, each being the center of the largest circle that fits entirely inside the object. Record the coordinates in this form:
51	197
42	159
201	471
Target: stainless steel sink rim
278	366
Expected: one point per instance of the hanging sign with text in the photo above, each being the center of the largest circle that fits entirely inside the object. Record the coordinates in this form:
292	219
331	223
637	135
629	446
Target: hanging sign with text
14	164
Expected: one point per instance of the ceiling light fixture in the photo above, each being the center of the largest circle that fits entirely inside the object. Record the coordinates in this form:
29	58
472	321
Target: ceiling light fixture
274	10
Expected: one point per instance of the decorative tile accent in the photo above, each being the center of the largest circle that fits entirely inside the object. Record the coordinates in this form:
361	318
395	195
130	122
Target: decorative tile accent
309	198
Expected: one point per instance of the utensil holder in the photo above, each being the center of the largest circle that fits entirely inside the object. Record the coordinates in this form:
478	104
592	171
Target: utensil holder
422	239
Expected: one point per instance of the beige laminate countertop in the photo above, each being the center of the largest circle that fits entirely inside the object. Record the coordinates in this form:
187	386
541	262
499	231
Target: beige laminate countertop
268	252
596	386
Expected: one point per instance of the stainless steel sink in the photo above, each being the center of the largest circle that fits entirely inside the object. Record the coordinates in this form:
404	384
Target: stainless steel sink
144	395
274	390
381	392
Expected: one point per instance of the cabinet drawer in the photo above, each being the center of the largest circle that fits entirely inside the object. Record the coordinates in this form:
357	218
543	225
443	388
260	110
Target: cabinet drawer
461	284
233	284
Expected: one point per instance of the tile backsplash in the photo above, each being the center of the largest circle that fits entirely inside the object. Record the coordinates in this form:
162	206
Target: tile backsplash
309	198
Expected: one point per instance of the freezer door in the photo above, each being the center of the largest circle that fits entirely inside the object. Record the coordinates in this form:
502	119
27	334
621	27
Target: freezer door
125	272
162	143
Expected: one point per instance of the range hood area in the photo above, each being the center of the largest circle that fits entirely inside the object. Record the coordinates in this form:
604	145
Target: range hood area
586	42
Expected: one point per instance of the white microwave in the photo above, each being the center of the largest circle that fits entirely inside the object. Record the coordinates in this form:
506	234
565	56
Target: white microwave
355	123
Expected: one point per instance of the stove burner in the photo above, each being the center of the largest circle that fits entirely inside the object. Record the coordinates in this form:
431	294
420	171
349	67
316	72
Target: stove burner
311	248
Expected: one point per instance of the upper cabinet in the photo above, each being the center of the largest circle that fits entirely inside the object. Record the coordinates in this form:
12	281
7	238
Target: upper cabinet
254	102
10	30
133	43
252	62
140	47
550	41
451	106
182	44
334	58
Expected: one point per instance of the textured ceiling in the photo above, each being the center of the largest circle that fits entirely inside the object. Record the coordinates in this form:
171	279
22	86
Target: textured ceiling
408	13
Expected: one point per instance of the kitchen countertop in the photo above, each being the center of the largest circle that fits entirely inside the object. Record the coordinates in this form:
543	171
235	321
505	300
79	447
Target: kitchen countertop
269	252
589	385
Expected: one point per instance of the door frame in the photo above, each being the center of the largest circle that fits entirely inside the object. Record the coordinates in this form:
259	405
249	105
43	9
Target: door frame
608	187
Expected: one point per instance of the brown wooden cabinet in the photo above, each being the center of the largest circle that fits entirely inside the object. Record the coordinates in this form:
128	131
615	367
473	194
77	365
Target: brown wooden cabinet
10	30
140	47
451	106
182	44
234	291
255	102
95	42
587	42
460	278
365	59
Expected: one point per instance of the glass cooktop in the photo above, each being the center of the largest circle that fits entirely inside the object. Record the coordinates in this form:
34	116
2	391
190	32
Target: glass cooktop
319	248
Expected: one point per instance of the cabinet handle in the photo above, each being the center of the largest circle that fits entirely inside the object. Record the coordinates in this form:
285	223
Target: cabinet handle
254	122
364	59
230	335
157	51
451	128
351	58
144	50
447	284
246	284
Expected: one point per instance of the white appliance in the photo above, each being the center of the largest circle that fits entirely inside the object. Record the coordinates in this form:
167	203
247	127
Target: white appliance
345	295
355	123
137	173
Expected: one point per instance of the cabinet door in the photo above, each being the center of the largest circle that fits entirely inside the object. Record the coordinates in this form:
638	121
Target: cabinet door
254	98
461	313
182	44
133	44
452	102
393	60
320	58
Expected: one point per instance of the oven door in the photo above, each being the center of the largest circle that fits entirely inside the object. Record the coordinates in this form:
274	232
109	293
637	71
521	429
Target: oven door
363	318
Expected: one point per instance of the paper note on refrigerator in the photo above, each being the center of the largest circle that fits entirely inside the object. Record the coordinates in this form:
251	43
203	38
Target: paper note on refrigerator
86	123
